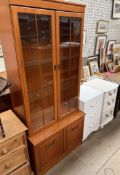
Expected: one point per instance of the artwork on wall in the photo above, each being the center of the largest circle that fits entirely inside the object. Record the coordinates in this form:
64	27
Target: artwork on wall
86	72
102	26
101	42
118	61
116	9
116	52
84	37
109	66
110	46
102	59
93	64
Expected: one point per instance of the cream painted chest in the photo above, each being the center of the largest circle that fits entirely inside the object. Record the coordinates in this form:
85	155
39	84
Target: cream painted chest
110	92
91	104
14	159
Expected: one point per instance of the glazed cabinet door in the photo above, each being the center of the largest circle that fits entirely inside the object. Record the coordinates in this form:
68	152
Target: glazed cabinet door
34	32
69	28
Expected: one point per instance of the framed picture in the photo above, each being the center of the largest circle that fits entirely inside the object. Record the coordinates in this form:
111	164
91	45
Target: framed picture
93	64
102	59
109	66
86	72
116	52
102	26
110	46
116	9
101	42
84	37
118	61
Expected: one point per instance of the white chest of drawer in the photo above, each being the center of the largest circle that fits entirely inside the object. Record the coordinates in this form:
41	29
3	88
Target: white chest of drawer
91	104
109	90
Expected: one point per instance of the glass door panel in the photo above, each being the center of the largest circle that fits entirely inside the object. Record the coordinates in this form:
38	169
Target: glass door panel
68	52
36	30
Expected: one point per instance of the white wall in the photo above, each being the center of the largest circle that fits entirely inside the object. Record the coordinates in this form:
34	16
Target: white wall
98	10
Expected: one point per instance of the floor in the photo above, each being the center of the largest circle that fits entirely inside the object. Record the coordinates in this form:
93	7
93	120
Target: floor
98	155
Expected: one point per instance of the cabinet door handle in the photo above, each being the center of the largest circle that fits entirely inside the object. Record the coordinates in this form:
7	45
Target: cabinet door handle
74	128
50	144
55	67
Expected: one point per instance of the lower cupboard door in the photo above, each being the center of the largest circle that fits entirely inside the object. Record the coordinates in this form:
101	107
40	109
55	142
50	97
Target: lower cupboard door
74	134
51	149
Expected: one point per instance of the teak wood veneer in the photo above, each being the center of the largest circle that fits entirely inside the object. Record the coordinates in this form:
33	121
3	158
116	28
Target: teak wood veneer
42	46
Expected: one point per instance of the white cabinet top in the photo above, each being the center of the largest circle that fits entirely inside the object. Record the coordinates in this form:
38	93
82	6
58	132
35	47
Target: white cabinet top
87	93
101	85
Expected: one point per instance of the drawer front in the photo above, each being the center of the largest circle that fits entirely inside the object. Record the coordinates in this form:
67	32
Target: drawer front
110	93
109	102
51	149
107	115
74	134
11	145
23	170
12	161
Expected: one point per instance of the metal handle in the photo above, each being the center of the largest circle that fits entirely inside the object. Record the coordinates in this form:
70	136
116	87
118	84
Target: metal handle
4	151
110	93
50	144
108	103
74	128
107	115
8	165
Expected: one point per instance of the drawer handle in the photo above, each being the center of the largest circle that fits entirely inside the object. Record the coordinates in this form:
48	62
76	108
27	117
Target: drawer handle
107	115
113	100
8	165
111	112
109	103
50	144
110	93
92	106
73	129
4	151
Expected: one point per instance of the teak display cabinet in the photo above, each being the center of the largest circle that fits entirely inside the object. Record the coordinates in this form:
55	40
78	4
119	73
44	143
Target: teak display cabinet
42	45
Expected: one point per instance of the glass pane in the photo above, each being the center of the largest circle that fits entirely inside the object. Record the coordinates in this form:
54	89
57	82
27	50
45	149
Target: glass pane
35	33
69	61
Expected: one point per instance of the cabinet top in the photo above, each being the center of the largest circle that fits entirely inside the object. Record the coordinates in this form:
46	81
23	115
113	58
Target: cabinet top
101	85
51	4
12	126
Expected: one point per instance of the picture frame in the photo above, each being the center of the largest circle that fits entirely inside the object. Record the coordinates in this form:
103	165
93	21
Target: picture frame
110	46
101	43
102	26
118	61
116	9
102	59
84	37
109	66
93	65
116	52
86	72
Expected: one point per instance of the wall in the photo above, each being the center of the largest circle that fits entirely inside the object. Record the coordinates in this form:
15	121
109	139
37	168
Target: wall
98	10
95	10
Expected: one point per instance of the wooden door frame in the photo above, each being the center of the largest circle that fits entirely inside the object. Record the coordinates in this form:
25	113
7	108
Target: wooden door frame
68	14
14	12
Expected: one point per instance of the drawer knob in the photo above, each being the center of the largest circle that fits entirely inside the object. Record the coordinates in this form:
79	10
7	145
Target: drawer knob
4	151
108	103
110	93
107	115
8	166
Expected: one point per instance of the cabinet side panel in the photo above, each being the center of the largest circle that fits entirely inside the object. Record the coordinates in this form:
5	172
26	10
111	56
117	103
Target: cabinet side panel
7	41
